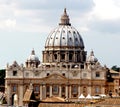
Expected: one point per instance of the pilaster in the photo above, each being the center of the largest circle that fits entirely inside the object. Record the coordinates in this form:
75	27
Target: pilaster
50	90
40	92
70	91
66	92
43	92
20	95
60	91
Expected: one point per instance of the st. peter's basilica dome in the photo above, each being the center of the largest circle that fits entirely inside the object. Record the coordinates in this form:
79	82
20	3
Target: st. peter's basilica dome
64	35
64	44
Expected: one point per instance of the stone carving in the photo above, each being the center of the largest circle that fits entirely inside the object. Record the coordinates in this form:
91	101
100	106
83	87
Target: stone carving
74	73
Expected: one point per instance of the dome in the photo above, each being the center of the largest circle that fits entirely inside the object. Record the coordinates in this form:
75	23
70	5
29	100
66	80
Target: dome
64	44
33	57
92	58
64	35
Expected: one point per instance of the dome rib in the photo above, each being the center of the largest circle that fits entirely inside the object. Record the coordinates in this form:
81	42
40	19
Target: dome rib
61	36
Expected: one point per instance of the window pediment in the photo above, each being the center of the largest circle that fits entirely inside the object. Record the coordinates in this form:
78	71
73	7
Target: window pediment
55	76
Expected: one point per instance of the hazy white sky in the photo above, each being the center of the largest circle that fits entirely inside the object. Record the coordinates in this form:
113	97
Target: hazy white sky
25	24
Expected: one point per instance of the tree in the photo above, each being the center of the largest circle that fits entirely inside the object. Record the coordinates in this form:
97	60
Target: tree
2	79
115	68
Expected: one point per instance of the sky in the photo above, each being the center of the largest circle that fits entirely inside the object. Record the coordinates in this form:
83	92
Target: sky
25	25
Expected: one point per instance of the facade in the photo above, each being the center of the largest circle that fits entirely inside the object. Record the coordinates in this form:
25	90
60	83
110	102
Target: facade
65	71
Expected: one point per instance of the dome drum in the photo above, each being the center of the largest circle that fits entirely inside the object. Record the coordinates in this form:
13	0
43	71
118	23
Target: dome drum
64	56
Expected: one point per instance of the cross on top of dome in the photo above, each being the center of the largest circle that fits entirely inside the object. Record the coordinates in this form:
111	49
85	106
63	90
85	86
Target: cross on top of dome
65	19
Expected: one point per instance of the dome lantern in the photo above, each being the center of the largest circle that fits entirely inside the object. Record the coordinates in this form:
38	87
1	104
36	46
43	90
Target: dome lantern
65	19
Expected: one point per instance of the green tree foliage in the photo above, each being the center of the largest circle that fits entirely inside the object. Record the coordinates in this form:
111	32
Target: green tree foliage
115	68
2	77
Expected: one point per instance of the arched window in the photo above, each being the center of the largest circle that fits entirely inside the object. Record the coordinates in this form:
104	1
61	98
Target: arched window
70	57
55	56
62	56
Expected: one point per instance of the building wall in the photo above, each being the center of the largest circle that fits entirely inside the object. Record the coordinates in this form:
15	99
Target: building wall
75	80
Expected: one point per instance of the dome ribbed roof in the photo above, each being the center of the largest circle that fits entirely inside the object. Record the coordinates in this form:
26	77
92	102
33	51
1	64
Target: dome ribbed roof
64	35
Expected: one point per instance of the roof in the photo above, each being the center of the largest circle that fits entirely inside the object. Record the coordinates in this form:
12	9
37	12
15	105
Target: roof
27	95
114	72
53	99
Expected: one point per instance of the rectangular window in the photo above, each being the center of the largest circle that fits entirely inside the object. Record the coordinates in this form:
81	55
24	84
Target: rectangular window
74	89
55	89
97	74
36	88
14	88
63	89
37	74
14	73
97	90
47	89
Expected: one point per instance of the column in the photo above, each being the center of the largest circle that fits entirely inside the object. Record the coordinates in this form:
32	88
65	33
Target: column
66	56
50	90
81	56
70	91
74	56
44	92
89	90
40	92
66	92
43	55
58	56
20	95
60	66
103	90
9	94
60	91
78	90
51	55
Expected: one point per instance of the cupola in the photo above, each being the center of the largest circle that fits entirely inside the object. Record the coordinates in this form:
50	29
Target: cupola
32	60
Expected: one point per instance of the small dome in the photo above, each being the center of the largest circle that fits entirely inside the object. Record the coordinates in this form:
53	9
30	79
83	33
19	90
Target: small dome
92	58
64	35
33	57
